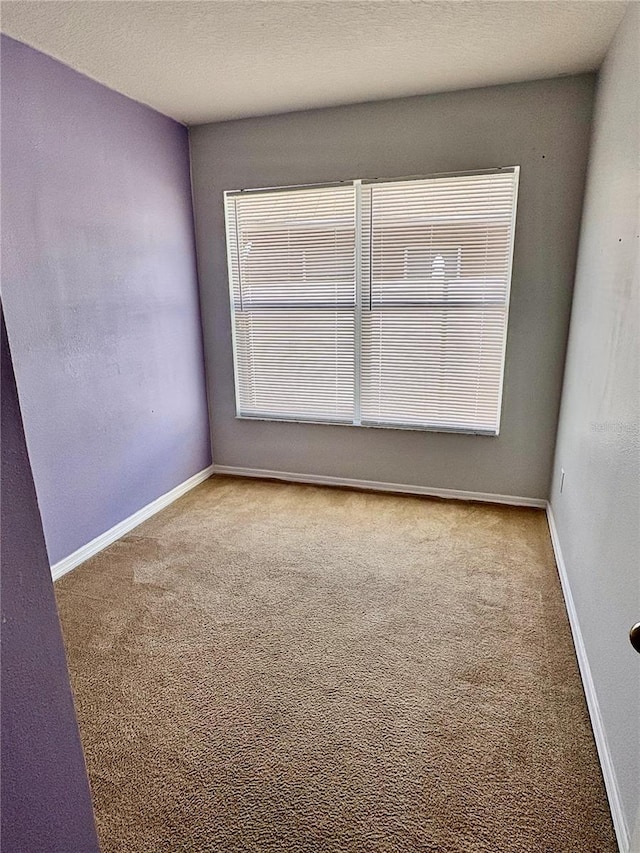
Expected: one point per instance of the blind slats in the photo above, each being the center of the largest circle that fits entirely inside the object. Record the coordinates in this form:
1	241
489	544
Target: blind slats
425	340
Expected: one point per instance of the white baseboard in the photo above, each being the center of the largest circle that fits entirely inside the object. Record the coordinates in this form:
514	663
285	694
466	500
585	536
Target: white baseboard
372	485
600	737
110	536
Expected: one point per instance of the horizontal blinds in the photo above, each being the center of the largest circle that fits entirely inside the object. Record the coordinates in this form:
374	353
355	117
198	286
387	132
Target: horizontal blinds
436	274
425	336
292	271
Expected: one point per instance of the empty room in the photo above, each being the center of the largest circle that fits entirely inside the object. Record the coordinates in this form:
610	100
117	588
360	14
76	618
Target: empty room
320	426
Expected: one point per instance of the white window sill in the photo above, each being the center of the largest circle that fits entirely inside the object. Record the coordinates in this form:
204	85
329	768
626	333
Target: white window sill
459	430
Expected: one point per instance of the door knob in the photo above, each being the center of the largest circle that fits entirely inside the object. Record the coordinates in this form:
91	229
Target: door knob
634	636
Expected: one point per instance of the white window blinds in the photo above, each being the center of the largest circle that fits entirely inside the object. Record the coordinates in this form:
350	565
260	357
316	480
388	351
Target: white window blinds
292	264
381	304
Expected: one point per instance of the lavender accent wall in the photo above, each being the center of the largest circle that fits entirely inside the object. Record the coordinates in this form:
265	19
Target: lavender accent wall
100	296
46	803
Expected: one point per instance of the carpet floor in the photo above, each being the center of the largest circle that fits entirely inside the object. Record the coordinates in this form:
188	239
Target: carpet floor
288	668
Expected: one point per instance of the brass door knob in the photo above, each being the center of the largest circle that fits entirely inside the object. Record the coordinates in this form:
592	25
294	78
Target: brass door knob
634	636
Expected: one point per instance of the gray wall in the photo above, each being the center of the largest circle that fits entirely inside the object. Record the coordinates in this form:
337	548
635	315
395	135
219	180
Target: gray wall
100	295
598	512
541	126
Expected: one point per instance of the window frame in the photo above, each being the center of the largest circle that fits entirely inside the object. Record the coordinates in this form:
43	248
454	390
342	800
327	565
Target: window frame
357	307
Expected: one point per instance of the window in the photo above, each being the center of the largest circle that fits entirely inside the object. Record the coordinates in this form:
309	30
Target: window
373	304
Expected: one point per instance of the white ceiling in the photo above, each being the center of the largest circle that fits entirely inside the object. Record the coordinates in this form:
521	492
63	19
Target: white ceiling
209	60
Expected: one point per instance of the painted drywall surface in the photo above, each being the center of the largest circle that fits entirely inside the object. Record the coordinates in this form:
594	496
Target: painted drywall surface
46	803
598	512
310	54
100	295
544	128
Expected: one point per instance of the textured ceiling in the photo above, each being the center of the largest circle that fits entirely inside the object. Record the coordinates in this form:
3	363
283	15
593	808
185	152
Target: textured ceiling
208	60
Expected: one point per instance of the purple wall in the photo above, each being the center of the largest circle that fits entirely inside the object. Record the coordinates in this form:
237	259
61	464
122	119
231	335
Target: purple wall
100	296
46	802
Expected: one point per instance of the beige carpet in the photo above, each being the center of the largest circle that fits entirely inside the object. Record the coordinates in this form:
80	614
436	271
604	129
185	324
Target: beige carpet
272	667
